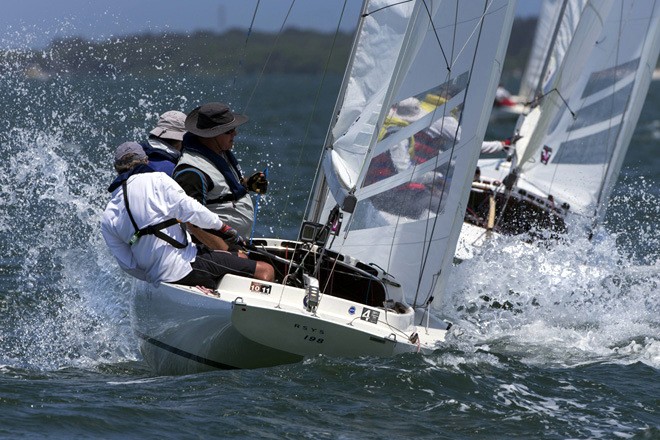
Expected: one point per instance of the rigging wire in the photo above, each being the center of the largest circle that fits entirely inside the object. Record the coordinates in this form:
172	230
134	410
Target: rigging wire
315	104
247	37
425	253
263	69
385	7
398	220
435	220
613	145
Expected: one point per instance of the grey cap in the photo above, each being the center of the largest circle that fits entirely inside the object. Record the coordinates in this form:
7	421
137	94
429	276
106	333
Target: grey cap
129	151
171	125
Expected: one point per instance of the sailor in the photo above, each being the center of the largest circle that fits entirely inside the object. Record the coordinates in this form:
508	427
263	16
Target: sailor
142	226
163	146
397	158
503	97
208	170
410	198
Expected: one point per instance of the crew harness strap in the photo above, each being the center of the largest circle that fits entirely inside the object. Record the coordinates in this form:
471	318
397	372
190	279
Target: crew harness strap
153	229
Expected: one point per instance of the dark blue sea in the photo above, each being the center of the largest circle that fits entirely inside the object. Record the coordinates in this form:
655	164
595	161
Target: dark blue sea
576	357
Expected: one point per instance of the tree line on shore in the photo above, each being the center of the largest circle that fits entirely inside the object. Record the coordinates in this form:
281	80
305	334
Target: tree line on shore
216	54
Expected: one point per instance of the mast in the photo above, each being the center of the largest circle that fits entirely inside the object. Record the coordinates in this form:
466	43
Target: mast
551	48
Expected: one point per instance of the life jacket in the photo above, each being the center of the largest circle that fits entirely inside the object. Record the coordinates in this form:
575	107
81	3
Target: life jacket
154	229
216	168
426	147
431	101
222	191
423	149
155	153
162	157
381	165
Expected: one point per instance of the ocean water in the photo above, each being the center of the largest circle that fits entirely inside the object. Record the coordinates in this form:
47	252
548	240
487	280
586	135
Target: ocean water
576	356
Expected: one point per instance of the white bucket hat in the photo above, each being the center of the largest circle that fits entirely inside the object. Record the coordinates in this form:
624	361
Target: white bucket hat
171	125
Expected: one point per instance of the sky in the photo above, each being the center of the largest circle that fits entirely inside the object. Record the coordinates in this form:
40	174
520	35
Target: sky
35	23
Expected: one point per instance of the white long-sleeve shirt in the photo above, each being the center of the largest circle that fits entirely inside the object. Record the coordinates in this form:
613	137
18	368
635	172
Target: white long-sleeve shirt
153	198
490	147
447	127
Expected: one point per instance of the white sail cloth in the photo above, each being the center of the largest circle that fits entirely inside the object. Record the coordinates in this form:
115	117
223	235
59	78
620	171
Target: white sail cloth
584	152
447	54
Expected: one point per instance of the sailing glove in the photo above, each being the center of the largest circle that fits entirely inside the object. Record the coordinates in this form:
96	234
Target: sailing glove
257	183
230	235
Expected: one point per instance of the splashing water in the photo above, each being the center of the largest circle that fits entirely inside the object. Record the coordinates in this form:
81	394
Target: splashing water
565	303
64	301
63	298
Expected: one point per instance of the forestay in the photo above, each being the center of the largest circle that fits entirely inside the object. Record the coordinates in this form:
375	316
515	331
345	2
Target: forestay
447	56
582	153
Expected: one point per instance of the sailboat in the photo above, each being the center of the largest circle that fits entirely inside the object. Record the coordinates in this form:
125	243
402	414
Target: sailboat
556	23
588	94
374	248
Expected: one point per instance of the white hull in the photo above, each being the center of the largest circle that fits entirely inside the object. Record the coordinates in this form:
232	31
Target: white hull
338	328
183	330
249	323
471	240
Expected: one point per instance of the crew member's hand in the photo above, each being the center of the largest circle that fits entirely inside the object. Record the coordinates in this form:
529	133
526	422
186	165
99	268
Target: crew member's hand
511	140
230	235
257	183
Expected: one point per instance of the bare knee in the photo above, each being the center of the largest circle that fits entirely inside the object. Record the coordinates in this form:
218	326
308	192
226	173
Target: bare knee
264	271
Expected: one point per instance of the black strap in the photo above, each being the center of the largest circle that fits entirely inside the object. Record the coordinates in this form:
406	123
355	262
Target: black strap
153	229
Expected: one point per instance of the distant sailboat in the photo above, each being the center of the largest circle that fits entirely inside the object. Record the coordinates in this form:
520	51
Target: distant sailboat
377	246
588	97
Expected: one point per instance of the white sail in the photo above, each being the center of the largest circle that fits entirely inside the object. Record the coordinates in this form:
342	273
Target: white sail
556	24
584	153
561	81
446	55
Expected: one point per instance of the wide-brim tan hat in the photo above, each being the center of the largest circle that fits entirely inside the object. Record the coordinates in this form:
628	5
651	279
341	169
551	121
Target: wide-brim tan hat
212	119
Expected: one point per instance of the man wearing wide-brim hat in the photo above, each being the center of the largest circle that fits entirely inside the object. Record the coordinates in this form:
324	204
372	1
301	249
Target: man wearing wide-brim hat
208	170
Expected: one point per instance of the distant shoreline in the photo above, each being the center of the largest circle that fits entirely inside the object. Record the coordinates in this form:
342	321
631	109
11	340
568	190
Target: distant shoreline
209	53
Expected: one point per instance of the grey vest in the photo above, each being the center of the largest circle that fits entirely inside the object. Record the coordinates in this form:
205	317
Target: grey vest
238	214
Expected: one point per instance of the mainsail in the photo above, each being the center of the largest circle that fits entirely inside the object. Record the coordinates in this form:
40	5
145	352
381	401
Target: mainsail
424	68
581	146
